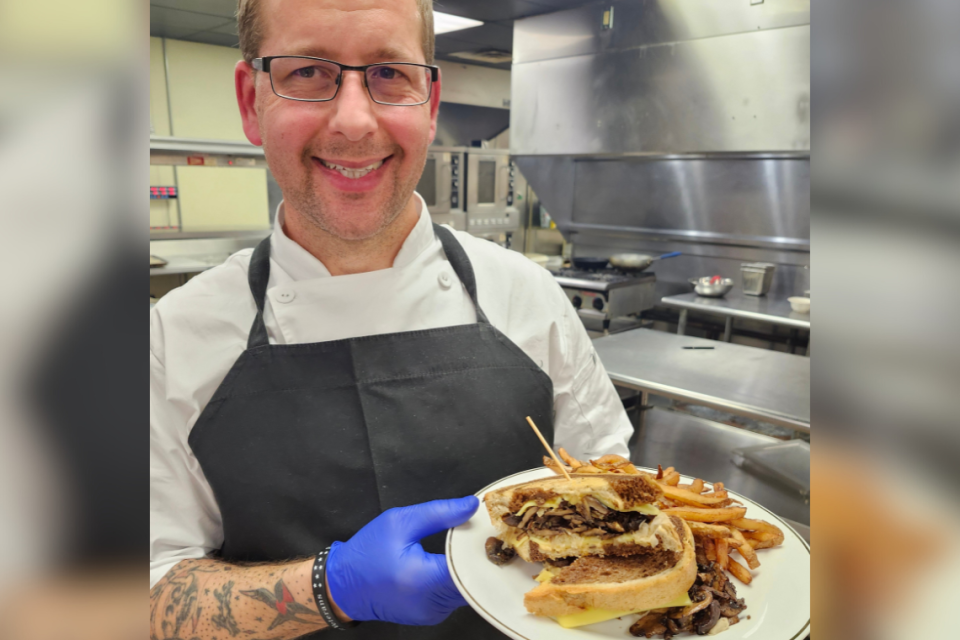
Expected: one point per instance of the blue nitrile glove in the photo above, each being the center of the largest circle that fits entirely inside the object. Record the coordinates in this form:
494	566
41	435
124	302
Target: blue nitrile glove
382	572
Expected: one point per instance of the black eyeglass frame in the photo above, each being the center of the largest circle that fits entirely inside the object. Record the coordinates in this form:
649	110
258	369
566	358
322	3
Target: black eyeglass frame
263	64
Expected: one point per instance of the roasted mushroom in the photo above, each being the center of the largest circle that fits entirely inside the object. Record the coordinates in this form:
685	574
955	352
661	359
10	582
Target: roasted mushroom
648	626
497	553
708	618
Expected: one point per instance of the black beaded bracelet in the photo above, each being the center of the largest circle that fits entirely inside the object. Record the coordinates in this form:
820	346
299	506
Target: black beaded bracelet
320	593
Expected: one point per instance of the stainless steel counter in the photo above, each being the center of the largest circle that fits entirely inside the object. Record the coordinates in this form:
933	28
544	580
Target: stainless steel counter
775	311
763	385
179	265
702	449
194	252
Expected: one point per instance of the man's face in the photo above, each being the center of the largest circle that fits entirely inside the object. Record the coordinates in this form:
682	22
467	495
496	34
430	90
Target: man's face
302	139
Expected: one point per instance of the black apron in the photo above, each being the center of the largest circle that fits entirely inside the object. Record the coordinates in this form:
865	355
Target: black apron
303	444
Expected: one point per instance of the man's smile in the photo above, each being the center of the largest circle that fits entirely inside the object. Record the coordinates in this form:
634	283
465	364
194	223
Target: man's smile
353	175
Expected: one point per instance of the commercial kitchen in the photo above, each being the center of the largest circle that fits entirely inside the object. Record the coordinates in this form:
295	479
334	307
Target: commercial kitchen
581	135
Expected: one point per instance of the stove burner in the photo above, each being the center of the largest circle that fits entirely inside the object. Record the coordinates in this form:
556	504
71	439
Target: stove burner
602	275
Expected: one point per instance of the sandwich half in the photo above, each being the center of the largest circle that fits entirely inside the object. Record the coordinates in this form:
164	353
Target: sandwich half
591	589
555	519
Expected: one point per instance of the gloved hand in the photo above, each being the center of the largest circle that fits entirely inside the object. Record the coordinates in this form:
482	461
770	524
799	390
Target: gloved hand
382	572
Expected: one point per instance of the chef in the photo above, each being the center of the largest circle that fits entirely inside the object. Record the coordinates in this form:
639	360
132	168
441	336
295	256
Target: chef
325	402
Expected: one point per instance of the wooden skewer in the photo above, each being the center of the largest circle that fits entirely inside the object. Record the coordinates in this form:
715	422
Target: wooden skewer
547	447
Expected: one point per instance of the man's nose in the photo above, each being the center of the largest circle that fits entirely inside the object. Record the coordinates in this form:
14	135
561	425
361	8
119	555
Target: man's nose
353	109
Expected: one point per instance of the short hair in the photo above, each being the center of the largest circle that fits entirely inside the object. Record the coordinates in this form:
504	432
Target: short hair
250	28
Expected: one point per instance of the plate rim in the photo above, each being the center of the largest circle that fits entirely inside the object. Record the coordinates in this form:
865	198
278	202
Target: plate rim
476	606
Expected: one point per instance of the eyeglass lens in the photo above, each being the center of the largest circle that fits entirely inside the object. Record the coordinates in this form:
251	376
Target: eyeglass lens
304	79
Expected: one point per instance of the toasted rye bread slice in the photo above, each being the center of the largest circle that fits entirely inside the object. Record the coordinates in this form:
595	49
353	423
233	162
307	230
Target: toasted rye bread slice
616	584
620	491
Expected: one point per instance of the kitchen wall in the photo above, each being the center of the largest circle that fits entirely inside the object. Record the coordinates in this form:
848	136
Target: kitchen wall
202	104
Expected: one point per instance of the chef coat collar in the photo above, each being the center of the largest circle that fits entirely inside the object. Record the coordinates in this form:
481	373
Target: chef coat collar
300	264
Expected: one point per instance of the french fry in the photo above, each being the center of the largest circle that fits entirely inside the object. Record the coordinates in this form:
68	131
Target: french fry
756	535
612	463
763	540
567	458
722	494
673	479
739	571
749	555
723	557
708	530
668	471
659	473
710	549
588	468
550	464
691	498
718	486
697	486
755	525
707	515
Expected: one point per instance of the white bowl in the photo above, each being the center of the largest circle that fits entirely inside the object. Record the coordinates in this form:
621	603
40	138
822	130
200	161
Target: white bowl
800	305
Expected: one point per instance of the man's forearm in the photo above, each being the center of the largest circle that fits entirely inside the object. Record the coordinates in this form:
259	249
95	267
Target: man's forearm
208	599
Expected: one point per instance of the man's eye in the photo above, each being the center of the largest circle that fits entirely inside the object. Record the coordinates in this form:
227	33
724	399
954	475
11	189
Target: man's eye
386	73
305	72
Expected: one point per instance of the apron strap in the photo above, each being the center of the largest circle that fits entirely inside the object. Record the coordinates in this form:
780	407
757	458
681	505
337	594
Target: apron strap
258	276
461	266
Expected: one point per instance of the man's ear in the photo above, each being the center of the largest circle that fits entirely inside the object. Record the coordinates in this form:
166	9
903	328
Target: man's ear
435	105
245	79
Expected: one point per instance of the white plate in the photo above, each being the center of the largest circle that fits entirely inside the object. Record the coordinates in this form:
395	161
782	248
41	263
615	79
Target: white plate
778	600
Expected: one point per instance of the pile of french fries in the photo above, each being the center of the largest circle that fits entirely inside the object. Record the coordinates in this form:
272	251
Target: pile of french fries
716	520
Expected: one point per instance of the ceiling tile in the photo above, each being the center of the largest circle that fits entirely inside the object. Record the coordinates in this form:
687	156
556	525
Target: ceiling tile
224	8
173	23
230	28
212	37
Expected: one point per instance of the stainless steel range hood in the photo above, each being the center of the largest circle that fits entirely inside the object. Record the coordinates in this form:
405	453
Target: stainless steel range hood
683	126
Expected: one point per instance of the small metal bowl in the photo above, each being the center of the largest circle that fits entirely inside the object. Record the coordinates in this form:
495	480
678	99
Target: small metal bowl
704	288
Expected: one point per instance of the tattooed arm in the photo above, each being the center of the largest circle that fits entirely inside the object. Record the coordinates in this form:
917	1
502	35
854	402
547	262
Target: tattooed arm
209	599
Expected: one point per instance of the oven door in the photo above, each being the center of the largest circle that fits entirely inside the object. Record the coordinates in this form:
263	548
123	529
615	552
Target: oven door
488	176
434	183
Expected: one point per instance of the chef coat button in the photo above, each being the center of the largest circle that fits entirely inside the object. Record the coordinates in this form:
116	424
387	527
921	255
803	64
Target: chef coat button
444	279
286	296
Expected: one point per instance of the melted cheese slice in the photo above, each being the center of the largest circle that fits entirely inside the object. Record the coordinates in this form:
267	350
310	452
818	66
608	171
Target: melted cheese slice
592	616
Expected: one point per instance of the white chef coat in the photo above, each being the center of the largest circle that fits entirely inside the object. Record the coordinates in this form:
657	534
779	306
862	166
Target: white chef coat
199	330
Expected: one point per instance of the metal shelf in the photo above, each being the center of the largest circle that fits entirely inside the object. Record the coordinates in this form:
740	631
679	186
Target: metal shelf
200	152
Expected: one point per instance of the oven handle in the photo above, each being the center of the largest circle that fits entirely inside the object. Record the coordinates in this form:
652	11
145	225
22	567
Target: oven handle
445	177
504	186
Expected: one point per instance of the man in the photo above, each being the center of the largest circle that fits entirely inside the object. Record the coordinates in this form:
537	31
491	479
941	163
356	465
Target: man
350	381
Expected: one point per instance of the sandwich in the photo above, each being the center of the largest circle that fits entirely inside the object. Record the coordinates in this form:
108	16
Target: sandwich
607	550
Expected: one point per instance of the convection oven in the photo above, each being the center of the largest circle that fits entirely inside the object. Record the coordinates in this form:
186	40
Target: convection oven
442	186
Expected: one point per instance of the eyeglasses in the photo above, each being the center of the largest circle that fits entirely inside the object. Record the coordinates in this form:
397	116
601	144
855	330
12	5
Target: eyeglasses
402	84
